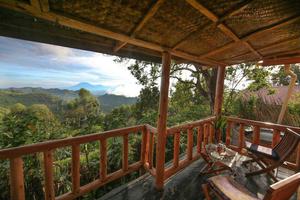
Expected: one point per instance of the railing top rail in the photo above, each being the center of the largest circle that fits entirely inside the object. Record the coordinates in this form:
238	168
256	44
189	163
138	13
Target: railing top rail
189	125
263	124
59	143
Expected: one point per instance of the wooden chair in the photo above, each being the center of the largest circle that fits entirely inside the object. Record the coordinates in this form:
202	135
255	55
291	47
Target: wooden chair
269	159
225	188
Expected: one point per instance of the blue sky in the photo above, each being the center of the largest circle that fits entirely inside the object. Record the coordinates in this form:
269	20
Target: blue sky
32	64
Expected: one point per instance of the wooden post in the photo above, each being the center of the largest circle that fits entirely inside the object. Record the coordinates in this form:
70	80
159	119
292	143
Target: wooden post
199	139
151	146
219	91
256	135
125	153
190	144
75	168
176	149
48	166
162	120
103	159
17	191
145	146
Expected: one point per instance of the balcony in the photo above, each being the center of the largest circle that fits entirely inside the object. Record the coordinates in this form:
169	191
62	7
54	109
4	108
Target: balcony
181	174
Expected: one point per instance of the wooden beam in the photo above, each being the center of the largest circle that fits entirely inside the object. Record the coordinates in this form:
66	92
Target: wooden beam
234	10
146	18
252	35
162	120
219	91
44	5
283	54
83	26
225	29
48	170
17	190
270	46
268	62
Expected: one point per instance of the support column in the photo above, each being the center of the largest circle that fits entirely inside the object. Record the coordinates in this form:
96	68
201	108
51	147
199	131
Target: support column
162	120
219	91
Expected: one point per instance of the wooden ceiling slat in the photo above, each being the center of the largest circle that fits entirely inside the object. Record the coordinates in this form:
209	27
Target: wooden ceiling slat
225	29
82	26
252	35
269	62
146	18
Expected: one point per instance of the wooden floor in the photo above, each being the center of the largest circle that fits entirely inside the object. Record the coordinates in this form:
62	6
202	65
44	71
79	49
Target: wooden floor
185	185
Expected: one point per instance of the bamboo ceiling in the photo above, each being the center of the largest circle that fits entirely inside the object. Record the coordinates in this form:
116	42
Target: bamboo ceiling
209	32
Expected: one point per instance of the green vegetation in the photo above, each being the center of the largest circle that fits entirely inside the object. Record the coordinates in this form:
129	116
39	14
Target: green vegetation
30	115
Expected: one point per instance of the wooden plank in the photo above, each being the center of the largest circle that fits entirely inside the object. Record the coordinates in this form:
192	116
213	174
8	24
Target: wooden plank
206	12
44	5
256	135
48	170
205	134
17	191
76	168
36	4
242	136
142	23
176	149
228	133
211	129
162	120
125	153
199	138
276	137
298	157
190	144
103	159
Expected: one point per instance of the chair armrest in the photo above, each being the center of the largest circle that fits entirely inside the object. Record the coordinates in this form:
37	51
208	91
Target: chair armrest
261	150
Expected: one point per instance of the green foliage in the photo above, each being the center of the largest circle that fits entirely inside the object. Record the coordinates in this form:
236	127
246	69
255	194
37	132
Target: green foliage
280	78
259	77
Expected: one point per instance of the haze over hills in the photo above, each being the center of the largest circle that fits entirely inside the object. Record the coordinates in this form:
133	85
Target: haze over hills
53	97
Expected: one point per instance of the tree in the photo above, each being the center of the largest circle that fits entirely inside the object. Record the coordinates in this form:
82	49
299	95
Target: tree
83	113
280	78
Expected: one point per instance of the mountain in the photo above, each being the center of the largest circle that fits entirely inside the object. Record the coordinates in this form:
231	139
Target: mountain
111	101
95	89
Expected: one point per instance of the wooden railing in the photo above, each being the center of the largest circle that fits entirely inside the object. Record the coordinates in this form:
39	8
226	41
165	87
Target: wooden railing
202	131
257	126
47	148
198	133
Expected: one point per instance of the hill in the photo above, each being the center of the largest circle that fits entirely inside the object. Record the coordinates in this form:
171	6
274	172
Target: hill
54	98
111	101
95	89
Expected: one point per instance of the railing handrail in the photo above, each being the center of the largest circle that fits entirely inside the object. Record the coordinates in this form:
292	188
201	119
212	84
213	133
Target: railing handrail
60	143
189	125
270	125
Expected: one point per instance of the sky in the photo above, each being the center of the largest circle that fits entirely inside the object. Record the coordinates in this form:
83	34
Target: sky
31	64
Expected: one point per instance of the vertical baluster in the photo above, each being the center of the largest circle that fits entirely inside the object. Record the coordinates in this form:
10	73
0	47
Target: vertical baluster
176	149
125	153
199	138
190	144
75	168
144	147
211	133
16	179
242	136
256	135
103	159
205	134
276	137
228	133
151	143
298	157
48	167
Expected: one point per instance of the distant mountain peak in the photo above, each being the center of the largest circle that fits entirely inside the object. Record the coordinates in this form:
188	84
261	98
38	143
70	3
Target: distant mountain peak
95	89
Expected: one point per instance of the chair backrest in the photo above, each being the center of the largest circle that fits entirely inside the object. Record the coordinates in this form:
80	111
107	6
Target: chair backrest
287	144
284	189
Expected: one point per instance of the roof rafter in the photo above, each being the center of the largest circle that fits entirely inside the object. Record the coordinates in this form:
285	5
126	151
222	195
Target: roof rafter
252	35
151	12
82	26
225	29
232	11
273	45
291	60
